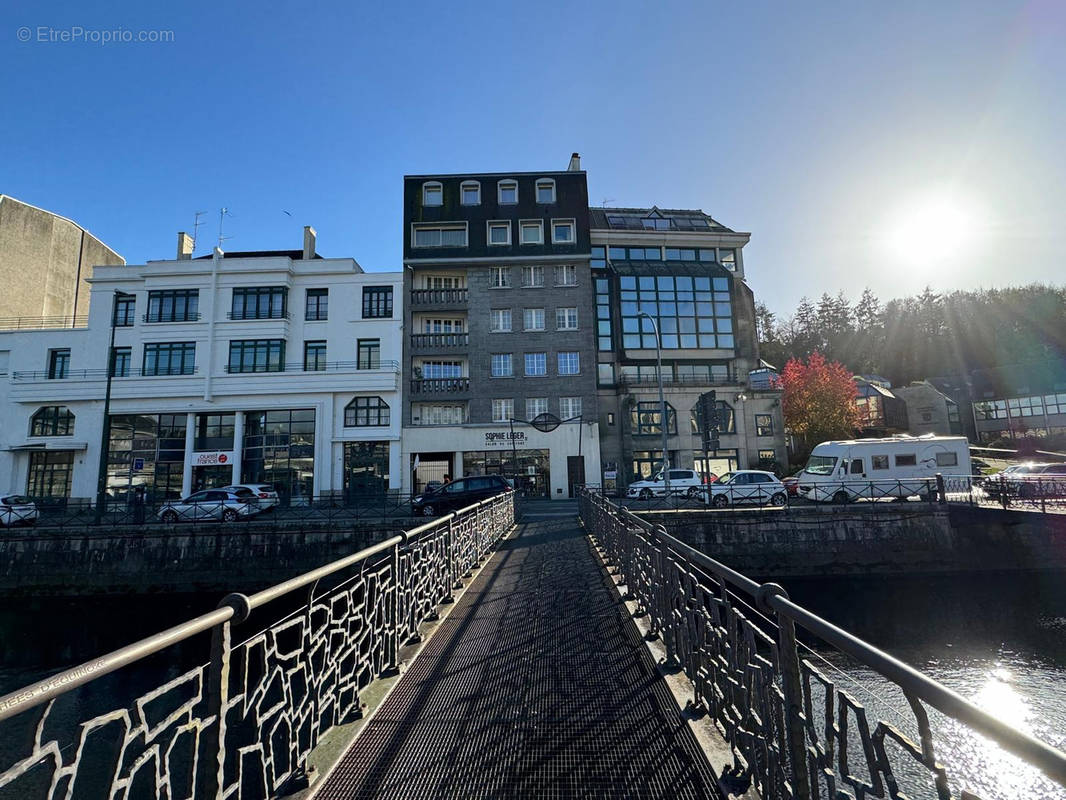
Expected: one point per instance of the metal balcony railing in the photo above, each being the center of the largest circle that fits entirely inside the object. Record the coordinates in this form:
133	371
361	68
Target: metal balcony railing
151	319
442	340
425	297
99	374
250	315
679	380
42	323
440	385
328	366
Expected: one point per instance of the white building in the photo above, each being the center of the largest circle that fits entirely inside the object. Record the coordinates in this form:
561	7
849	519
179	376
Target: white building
280	367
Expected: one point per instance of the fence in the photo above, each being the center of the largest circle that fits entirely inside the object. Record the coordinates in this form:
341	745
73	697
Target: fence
792	732
243	723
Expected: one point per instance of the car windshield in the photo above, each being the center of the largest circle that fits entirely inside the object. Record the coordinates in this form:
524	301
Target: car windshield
820	465
724	478
16	500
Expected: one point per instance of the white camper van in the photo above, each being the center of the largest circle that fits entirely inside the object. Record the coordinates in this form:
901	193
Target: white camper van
899	466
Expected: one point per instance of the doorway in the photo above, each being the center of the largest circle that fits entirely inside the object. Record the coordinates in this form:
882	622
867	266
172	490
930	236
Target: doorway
211	477
575	473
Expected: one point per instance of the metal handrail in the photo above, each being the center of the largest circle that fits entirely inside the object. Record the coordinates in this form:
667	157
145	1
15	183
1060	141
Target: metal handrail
42	323
99	373
160	318
913	683
252	315
41	691
389	365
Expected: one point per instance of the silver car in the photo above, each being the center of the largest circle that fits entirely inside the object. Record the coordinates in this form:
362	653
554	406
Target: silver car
17	510
211	504
747	486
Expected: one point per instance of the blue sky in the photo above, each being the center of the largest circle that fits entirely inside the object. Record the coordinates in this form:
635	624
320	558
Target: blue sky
843	136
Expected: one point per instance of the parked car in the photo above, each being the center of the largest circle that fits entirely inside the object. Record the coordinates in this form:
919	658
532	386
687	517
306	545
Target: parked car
1011	480
682	482
17	510
459	494
1043	481
267	494
221	504
747	486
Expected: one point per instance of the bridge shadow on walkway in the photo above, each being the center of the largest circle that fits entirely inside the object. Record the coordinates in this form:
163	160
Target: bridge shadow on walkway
536	685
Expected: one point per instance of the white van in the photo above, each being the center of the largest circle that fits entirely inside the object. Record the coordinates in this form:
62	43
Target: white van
899	466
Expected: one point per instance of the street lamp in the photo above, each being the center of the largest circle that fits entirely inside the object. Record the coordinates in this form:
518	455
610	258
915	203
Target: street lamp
662	399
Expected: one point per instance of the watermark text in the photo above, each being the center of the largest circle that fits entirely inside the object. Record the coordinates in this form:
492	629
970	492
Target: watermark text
77	34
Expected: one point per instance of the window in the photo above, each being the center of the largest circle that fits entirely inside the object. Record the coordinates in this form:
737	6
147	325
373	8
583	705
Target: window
599	256
366	412
441	325
499	233
316	307
536	364
1025	407
857	467
535	406
569	364
646	463
125	310
260	302
377	302
256	355
432	194
532	232
563	231
947	459
314	356
439	235
500	320
499	277
764	425
214	431
173	305
59	362
566	275
502	410
169	358
647	418
444	282
50	473
533	276
908	460
507	192
605	373
656	224
691	311
121	357
533	319
368	354
879	462
438	415
566	319
545	190
569	407
728	259
52	421
501	365
470	193
432	370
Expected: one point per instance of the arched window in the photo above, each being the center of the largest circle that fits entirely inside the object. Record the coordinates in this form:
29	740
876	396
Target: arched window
365	412
470	193
545	190
52	421
432	193
726	421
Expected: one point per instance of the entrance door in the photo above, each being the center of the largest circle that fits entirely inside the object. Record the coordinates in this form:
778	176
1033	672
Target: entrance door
575	473
211	477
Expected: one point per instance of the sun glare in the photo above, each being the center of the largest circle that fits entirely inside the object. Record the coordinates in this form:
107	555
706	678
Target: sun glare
938	227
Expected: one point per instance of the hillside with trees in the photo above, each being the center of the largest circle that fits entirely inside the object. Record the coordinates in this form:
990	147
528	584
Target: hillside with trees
927	335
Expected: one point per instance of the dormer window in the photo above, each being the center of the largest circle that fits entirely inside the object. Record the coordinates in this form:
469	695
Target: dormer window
470	192
507	192
545	190
656	224
432	194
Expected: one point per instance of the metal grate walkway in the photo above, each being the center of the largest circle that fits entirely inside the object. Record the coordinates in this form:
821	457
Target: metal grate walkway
536	685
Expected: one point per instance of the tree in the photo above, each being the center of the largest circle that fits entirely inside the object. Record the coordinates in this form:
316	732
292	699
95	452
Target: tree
819	400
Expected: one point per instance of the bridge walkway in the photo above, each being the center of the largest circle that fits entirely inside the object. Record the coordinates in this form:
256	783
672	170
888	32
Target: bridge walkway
536	685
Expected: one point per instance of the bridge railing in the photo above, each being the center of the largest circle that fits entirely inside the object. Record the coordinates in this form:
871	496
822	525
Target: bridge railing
243	723
793	732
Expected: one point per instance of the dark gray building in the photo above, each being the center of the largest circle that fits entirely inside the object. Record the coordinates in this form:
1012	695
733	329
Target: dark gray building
499	327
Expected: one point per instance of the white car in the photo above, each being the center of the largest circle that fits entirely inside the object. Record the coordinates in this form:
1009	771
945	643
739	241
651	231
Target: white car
17	510
682	482
747	486
267	494
211	504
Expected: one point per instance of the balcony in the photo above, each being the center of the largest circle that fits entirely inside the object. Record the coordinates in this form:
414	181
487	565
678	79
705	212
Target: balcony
20	376
252	315
439	341
426	299
42	323
440	386
632	381
152	319
328	366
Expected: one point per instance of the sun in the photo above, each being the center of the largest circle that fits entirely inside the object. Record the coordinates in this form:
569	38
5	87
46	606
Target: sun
933	228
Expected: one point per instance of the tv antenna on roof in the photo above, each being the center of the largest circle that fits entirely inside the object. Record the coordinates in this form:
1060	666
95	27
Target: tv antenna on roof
221	218
196	227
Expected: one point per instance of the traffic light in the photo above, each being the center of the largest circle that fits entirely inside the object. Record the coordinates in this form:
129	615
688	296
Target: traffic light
711	419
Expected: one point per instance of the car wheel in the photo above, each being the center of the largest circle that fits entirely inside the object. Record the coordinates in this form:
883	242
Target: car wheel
778	499
720	501
693	492
170	517
645	494
429	511
840	498
229	515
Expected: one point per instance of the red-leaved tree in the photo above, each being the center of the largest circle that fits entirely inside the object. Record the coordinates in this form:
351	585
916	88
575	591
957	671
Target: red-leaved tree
819	400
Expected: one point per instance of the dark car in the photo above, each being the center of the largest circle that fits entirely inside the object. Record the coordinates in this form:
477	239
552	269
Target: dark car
459	494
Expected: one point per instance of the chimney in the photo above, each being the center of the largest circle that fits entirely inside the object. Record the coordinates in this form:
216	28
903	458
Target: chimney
185	246
309	242
575	163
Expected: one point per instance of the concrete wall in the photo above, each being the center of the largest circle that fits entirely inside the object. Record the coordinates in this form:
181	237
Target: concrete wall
58	254
899	539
